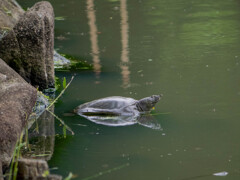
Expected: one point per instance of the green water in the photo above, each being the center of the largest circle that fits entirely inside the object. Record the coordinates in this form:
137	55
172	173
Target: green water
187	50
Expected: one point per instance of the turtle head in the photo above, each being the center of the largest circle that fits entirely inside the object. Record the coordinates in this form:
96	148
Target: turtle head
146	104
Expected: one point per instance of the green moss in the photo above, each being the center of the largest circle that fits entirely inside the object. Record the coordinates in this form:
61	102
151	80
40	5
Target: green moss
76	64
57	83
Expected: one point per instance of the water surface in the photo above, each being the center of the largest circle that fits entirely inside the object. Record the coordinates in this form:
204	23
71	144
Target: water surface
187	50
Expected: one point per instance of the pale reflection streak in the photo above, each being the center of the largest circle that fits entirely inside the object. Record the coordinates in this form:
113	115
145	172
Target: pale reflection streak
125	52
93	36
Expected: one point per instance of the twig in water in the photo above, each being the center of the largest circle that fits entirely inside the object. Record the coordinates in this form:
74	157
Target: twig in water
67	127
65	87
69	177
80	125
60	94
16	154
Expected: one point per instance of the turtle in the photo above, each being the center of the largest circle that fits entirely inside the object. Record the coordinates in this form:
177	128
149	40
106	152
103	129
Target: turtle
118	106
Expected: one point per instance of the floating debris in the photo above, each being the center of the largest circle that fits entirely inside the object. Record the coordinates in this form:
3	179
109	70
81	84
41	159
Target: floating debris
80	125
59	18
224	173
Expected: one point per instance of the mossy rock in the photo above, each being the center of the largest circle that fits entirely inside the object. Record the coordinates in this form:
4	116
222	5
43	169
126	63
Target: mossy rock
75	64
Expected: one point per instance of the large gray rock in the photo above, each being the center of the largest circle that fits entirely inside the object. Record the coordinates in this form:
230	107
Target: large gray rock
10	13
35	170
28	48
17	99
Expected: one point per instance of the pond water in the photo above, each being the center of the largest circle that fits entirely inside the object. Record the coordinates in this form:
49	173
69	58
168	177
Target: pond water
187	50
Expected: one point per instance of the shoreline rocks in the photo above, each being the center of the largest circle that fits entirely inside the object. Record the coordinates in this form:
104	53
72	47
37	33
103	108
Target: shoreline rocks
1	176
17	99
35	169
60	61
9	14
28	47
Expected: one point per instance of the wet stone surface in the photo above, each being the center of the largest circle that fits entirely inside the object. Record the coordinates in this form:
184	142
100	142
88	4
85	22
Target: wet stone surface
17	99
28	47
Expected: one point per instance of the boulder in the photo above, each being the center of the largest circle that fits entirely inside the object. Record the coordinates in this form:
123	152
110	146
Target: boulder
17	99
31	168
28	47
35	170
60	61
10	12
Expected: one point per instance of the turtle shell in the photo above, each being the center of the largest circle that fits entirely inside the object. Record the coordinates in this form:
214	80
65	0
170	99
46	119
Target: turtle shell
115	105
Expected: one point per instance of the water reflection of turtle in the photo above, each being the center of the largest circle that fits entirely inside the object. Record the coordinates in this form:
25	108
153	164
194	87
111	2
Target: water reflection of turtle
144	120
120	111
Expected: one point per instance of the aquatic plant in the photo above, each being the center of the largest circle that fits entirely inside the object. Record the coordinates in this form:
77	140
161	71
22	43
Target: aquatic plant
76	64
14	164
60	18
57	83
63	123
55	100
69	177
65	126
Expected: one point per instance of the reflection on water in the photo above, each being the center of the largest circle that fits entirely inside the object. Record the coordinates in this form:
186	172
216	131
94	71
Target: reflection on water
124	40
93	32
144	120
42	136
149	121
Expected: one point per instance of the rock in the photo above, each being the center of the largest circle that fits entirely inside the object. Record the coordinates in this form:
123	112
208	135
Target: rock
30	168
60	61
10	12
28	48
50	177
40	106
34	169
17	99
3	77
1	174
